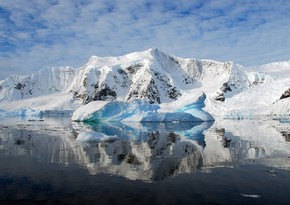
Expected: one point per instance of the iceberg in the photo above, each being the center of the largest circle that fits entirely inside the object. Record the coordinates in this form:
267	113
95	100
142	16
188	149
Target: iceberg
114	111
196	110
140	111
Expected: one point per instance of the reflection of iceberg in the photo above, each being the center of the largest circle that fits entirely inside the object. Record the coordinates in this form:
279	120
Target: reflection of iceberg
140	110
137	153
170	117
169	126
136	131
188	130
221	142
124	132
149	152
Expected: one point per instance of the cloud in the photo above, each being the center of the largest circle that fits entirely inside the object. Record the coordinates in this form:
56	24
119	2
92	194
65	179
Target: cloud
36	34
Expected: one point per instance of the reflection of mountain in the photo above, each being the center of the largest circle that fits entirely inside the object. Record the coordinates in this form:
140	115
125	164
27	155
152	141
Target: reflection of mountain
162	155
149	152
248	141
152	152
48	143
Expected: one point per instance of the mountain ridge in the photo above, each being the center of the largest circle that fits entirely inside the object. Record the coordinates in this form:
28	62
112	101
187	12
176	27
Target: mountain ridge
151	75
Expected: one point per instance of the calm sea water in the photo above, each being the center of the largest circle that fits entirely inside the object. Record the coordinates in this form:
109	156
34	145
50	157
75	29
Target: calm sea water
224	162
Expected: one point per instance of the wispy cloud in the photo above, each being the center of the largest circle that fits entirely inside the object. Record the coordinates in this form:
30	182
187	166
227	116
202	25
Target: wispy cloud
36	34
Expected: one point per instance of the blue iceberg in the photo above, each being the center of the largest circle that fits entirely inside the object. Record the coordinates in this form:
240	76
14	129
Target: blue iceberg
114	111
196	110
140	111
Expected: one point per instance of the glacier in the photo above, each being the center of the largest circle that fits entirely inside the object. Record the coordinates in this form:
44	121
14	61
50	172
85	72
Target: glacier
24	112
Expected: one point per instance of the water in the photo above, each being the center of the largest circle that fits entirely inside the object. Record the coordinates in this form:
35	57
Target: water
225	162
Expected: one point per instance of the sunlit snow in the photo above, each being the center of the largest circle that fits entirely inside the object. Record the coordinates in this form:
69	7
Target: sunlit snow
110	87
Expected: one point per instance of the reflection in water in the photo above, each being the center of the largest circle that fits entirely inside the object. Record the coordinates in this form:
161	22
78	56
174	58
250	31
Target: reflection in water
149	151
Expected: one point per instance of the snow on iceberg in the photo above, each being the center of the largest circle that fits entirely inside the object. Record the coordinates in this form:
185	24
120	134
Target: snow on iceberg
114	111
140	111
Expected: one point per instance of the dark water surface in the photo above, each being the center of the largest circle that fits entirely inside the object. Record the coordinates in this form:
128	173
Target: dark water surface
225	162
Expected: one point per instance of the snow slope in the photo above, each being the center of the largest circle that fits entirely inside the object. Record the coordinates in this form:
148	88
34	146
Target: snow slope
56	104
262	98
44	82
232	91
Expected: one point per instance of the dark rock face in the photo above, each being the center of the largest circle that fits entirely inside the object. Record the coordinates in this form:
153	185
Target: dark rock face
133	68
151	93
19	86
286	94
173	93
286	135
226	87
220	97
105	93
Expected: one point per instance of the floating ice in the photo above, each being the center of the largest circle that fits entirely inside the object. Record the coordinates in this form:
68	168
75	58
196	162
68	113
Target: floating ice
140	111
114	111
196	110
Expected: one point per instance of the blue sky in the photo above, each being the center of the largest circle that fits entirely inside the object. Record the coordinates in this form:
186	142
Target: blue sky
36	34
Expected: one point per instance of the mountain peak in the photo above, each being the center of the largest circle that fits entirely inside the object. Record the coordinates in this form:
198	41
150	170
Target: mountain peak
151	53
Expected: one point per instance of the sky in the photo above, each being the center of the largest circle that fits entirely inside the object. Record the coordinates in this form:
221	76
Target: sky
50	33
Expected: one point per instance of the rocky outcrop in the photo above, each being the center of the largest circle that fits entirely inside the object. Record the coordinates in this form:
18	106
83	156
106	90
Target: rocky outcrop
286	94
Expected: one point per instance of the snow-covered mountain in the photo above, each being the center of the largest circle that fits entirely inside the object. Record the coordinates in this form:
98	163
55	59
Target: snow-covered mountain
152	75
44	82
232	90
